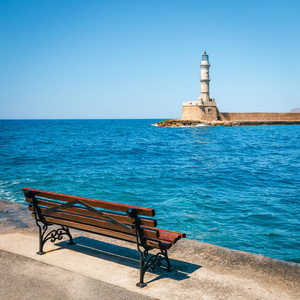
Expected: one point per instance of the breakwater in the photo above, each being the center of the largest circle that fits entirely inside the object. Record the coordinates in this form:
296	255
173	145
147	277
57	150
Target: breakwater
235	122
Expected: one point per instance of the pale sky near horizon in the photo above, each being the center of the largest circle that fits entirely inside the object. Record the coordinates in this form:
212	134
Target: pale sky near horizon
72	59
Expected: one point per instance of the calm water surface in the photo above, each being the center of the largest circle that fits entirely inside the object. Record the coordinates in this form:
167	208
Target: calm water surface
236	187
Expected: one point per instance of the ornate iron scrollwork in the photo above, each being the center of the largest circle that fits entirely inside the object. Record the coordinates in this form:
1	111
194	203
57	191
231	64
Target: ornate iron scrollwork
153	261
53	235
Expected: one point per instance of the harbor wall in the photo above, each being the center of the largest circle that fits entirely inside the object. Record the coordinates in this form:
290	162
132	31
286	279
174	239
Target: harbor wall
260	116
196	113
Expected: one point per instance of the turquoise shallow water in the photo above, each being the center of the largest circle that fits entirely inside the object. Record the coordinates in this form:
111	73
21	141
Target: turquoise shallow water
236	187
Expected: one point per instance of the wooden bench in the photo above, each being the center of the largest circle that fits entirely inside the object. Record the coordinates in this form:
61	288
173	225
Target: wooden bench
110	219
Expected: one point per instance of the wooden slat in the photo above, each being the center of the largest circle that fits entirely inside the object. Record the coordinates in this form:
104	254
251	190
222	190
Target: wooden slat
96	203
115	234
151	233
86	212
182	235
163	245
169	237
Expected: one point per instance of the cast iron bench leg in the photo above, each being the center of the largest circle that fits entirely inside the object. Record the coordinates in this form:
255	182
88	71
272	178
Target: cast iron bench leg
53	235
151	263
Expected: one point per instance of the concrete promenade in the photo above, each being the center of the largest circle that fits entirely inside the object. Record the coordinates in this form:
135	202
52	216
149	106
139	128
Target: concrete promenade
103	268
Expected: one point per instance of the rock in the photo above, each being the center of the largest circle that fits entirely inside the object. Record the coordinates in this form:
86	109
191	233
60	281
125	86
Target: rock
177	123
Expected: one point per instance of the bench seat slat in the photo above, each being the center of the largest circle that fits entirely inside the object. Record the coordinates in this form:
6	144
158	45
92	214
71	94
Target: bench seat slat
170	236
166	232
86	212
115	234
151	233
92	202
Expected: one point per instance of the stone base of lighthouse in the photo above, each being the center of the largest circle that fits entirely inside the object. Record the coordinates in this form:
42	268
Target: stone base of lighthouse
200	111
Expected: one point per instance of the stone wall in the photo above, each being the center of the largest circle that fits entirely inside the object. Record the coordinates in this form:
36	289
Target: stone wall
260	116
198	113
193	113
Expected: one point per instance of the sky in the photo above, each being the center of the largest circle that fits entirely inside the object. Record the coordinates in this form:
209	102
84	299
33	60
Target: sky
70	59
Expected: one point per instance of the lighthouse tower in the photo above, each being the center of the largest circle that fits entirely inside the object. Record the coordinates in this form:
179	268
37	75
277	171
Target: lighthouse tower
204	79
205	108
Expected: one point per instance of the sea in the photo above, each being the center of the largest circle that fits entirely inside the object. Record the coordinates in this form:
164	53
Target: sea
236	187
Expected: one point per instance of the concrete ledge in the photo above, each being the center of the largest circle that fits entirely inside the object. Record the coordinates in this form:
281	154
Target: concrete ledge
203	271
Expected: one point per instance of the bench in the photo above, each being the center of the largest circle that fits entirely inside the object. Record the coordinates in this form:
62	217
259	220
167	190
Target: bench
121	221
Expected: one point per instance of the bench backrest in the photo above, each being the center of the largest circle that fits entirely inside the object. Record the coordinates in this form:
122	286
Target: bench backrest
80	217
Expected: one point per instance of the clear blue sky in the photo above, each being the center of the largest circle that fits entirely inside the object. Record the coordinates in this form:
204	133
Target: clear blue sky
140	59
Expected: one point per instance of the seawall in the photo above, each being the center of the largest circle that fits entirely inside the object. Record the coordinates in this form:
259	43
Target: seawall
202	271
200	114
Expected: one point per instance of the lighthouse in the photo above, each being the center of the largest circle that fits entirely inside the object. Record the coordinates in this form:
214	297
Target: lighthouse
204	79
205	109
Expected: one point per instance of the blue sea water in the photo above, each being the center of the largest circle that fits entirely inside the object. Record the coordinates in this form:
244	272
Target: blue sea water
236	187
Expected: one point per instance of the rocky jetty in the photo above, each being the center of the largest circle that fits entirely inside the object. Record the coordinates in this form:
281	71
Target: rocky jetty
177	123
189	123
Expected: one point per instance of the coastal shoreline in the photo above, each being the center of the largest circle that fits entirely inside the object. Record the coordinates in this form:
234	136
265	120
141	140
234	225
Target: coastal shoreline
203	270
191	123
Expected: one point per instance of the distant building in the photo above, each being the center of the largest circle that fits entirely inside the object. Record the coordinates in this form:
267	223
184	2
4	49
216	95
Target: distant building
295	110
205	108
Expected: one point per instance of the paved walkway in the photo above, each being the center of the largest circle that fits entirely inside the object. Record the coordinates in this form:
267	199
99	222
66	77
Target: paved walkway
27	278
110	268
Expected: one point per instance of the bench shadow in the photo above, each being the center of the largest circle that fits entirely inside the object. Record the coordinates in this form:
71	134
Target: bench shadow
128	257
